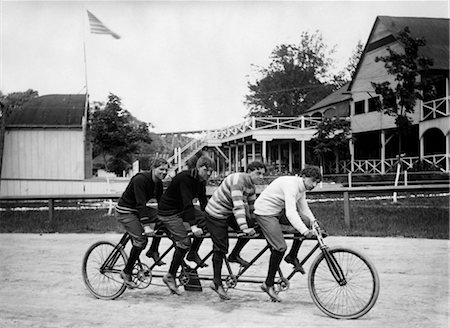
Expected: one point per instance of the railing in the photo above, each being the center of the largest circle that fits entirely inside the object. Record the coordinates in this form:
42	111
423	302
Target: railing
249	124
374	166
345	191
435	108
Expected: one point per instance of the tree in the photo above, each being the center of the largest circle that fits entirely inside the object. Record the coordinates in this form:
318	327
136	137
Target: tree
332	136
346	74
9	103
411	85
117	135
294	80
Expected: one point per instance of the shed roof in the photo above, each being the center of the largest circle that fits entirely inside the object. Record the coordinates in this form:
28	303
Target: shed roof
50	111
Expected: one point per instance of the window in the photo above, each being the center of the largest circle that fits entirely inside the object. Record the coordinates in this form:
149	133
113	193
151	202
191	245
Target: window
374	103
359	107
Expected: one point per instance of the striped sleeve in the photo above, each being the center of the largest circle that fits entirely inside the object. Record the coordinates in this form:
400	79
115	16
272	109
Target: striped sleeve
237	197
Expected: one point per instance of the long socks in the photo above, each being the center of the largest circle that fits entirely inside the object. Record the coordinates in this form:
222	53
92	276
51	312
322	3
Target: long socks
134	256
178	256
217	260
295	248
241	242
274	264
196	242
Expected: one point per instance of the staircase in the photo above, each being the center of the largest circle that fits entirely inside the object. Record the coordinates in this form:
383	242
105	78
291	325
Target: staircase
182	154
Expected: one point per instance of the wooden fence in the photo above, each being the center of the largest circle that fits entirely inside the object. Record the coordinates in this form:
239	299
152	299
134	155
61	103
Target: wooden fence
345	191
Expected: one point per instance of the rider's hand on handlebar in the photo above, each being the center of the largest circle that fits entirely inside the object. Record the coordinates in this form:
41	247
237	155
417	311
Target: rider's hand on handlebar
198	232
309	234
249	231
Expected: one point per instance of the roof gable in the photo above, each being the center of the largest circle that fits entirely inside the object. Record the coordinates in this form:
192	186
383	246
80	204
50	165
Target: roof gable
50	110
435	31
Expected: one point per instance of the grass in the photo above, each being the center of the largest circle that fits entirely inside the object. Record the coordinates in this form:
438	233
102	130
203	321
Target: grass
411	217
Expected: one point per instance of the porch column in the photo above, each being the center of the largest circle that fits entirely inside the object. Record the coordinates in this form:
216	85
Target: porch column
421	147
229	159
253	151
383	150
263	154
447	153
245	157
290	156
237	164
302	154
279	157
217	164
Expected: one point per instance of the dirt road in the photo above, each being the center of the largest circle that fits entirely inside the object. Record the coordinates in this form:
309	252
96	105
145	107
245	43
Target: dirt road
41	286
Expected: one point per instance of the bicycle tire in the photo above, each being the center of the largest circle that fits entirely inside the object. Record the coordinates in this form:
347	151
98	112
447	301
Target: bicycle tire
105	283
353	299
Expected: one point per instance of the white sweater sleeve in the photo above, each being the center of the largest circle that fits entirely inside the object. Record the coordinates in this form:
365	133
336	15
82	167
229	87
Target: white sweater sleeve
304	210
291	209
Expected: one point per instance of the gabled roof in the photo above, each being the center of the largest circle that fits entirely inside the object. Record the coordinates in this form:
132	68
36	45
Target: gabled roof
435	31
338	96
50	111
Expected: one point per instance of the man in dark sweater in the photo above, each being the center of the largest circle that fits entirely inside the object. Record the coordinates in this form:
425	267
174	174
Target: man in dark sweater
176	207
132	211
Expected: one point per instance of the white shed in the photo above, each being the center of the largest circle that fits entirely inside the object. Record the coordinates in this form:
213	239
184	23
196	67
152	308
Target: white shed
46	145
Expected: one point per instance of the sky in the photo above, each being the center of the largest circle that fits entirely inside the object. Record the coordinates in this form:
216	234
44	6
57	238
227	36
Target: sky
179	65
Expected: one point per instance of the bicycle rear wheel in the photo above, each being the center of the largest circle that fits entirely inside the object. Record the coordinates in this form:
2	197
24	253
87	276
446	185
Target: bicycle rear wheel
101	269
355	294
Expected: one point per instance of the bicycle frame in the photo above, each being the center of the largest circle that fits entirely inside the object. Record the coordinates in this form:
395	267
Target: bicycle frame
232	278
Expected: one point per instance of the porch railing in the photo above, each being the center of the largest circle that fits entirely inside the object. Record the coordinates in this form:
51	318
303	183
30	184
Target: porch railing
435	108
374	166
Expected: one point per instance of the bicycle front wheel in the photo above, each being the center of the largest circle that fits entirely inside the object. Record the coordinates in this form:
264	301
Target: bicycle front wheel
101	269
351	290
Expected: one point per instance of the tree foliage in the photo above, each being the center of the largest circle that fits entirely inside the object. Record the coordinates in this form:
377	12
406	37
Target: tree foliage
332	137
409	69
346	75
294	80
117	135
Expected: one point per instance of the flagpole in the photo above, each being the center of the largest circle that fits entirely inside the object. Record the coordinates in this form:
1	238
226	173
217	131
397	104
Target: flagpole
84	51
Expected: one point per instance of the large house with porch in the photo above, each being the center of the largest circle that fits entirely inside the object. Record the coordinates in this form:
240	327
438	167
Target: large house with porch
374	145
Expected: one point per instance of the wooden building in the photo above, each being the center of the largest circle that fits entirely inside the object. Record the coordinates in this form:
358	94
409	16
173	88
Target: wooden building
375	144
373	131
46	146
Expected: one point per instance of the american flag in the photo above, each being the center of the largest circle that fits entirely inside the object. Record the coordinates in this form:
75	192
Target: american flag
97	27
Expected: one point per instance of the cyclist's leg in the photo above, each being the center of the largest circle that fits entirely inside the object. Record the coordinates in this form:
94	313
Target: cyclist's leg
175	227
218	228
133	226
272	231
235	255
153	251
196	243
288	228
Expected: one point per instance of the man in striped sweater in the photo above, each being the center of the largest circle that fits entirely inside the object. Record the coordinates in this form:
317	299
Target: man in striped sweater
232	205
281	208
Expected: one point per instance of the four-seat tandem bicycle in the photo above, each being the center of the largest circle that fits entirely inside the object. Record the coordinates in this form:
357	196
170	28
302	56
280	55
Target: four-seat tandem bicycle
342	282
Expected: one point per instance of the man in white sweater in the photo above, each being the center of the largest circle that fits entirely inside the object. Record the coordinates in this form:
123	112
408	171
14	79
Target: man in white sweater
283	202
